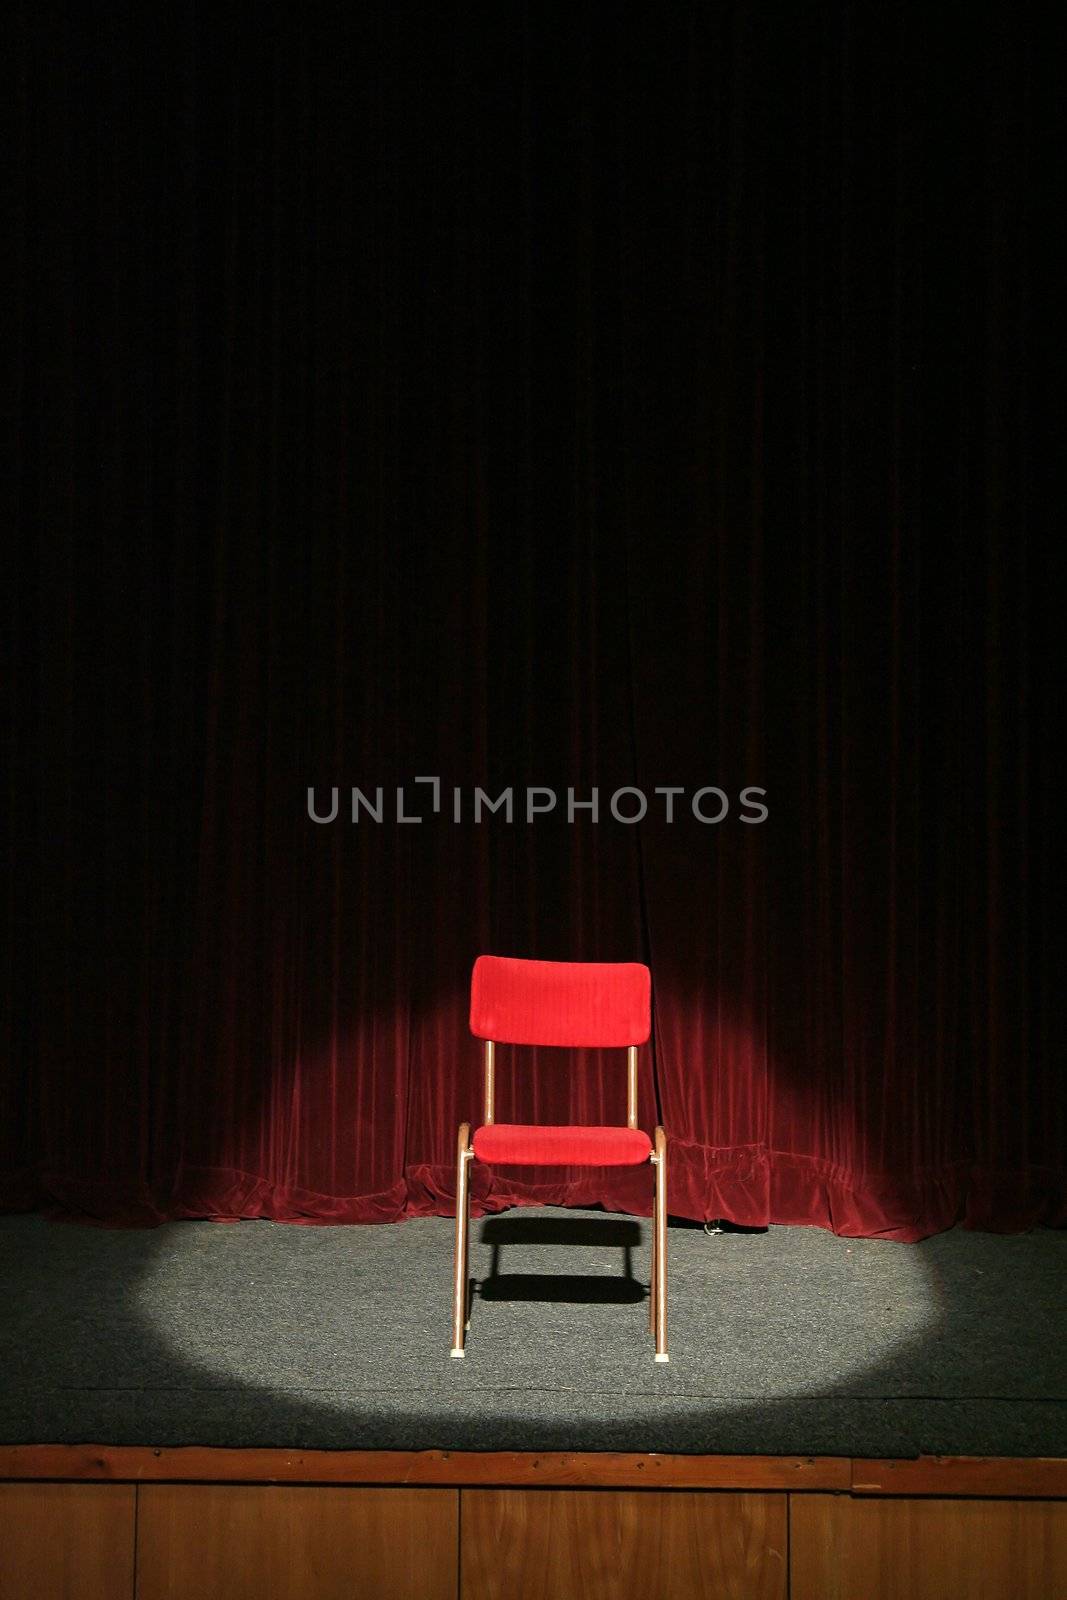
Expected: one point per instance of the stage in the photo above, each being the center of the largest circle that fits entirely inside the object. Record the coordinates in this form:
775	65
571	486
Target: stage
266	1409
791	1341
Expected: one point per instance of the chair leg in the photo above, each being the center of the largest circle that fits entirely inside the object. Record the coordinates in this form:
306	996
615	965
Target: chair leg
467	1292
459	1282
652	1280
659	1280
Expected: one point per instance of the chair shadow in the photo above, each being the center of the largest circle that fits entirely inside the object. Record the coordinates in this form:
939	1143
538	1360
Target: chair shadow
561	1288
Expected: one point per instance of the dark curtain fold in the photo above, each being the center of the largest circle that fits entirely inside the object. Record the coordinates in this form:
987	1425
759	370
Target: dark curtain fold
529	399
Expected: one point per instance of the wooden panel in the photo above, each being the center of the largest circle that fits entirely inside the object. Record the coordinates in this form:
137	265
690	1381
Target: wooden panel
1016	1478
596	1469
902	1549
245	1542
66	1541
580	1544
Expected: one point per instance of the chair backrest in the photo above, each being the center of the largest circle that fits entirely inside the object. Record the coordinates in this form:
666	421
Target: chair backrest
571	1003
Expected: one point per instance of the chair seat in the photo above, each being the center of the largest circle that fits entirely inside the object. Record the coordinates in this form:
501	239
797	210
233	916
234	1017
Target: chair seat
529	1145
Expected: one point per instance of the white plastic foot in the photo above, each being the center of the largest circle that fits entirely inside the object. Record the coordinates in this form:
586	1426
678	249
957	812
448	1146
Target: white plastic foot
462	1353
658	1357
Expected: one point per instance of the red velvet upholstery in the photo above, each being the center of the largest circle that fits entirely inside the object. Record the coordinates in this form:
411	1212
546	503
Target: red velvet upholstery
574	1003
515	1144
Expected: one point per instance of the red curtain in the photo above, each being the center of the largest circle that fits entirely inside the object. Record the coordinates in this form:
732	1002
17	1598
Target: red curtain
521	404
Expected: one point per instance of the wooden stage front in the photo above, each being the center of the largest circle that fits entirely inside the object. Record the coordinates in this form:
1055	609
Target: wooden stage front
95	1522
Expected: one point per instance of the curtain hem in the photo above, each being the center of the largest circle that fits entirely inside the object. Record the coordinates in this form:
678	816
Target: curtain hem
749	1185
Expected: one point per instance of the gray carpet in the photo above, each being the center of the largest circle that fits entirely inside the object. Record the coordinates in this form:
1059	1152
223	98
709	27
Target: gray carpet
784	1341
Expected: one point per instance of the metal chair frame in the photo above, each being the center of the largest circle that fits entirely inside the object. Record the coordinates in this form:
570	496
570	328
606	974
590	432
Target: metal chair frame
657	1303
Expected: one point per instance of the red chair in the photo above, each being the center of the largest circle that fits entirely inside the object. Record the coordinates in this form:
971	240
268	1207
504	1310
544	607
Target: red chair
573	1004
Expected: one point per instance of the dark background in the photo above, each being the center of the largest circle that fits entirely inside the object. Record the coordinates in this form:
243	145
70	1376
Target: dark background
530	395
